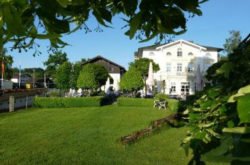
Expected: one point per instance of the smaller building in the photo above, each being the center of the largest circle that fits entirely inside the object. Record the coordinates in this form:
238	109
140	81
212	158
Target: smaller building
24	79
6	84
115	72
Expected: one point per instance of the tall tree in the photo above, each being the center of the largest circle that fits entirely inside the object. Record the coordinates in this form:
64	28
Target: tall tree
142	65
219	117
92	76
75	71
131	81
232	41
54	61
62	76
24	21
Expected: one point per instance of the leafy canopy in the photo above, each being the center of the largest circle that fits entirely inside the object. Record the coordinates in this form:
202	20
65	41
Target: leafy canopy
232	41
219	118
62	76
54	61
92	76
23	21
142	65
131	80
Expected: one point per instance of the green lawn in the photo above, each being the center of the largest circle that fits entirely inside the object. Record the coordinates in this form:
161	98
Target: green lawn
86	136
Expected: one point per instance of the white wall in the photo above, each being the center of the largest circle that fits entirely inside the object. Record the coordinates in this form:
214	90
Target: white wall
116	77
200	57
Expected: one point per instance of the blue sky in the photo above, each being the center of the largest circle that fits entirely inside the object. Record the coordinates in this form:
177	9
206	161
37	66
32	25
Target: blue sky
211	29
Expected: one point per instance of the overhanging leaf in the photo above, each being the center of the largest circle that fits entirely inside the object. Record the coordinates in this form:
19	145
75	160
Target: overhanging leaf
225	69
243	108
241	92
237	130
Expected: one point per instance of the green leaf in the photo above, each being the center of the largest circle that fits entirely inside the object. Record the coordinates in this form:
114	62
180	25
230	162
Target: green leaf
105	14
13	19
243	108
63	3
237	130
134	24
225	69
241	92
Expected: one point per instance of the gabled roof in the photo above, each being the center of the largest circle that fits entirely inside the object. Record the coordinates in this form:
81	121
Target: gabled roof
98	57
181	41
160	46
212	48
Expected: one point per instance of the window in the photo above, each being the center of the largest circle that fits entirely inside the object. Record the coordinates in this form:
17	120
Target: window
179	52
111	81
208	54
190	68
190	54
185	86
168	67
179	67
172	88
151	54
168	54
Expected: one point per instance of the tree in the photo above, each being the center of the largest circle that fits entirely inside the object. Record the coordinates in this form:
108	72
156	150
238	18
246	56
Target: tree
232	41
92	76
24	21
142	65
76	68
54	61
219	117
131	81
62	76
101	74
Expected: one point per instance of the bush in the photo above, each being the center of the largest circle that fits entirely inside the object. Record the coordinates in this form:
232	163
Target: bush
66	102
161	96
141	102
53	93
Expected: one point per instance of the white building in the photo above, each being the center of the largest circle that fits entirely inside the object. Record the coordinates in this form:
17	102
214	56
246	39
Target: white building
115	72
183	65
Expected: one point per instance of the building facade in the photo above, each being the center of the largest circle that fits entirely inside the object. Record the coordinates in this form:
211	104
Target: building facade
183	65
115	72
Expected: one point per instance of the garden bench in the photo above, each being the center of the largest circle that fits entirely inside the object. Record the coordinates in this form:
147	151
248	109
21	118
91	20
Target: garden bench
160	104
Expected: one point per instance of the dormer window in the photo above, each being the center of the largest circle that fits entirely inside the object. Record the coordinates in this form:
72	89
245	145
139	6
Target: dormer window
179	52
208	54
190	54
168	54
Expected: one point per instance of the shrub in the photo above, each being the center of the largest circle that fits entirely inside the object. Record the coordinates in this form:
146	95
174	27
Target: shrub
54	93
161	96
65	102
141	102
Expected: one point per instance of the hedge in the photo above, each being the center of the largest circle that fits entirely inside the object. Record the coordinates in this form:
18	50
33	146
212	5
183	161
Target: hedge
65	102
141	102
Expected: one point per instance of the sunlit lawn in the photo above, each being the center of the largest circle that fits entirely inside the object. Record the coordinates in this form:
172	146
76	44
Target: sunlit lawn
86	136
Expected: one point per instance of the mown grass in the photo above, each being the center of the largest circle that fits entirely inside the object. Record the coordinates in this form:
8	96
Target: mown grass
87	136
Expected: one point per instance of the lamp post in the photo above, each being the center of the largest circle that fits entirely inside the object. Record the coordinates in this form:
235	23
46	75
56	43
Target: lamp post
19	77
2	65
